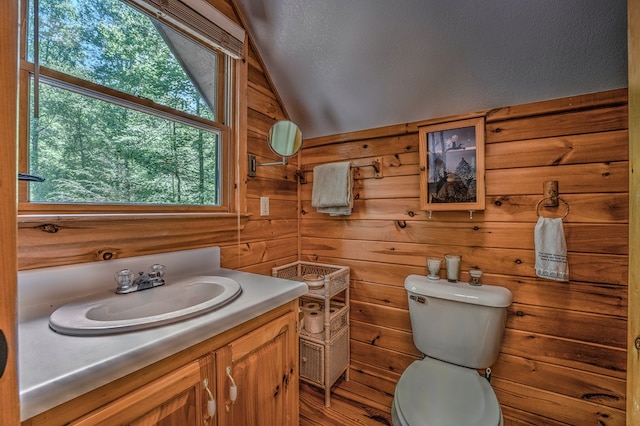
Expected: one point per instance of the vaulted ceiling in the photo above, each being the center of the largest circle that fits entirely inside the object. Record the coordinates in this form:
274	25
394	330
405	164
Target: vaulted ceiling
348	65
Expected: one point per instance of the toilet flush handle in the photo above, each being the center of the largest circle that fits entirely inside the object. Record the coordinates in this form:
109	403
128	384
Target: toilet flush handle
418	299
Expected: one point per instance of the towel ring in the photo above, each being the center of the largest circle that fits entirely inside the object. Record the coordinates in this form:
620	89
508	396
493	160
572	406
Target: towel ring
549	198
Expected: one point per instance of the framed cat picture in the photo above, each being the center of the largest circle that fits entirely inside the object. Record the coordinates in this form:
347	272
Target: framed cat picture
452	165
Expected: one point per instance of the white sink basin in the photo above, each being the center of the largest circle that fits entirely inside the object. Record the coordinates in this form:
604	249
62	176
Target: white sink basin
143	309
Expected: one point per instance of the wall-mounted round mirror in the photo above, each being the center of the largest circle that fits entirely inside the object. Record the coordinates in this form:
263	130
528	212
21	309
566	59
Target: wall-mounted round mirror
285	138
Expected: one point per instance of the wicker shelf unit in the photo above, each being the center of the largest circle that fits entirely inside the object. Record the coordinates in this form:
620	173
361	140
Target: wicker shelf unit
324	356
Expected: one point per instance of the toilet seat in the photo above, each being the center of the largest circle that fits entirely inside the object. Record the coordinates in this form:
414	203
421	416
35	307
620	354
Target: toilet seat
435	393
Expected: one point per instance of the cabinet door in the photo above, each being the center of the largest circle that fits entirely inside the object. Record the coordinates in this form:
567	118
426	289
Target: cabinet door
177	399
263	365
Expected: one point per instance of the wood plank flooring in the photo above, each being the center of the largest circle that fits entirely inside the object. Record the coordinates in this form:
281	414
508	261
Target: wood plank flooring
343	411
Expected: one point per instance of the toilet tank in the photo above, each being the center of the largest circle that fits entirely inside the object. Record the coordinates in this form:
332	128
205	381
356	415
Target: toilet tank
457	322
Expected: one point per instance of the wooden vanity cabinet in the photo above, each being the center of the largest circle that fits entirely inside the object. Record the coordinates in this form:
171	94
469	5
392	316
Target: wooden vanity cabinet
178	398
262	355
263	367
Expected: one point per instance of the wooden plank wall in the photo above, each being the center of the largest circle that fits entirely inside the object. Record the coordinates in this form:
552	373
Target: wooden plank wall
563	358
272	240
633	357
10	405
264	241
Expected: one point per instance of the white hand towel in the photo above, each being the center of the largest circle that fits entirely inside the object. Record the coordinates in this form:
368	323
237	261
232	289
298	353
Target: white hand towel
551	249
332	189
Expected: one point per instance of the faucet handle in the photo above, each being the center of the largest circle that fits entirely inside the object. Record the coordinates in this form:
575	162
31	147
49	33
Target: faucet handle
124	279
157	269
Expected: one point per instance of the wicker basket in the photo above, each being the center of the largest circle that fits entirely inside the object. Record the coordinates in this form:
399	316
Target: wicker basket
338	319
312	361
336	278
313	357
324	356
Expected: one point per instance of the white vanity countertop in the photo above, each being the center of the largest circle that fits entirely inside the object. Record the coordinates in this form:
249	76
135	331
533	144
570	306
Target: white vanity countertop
55	368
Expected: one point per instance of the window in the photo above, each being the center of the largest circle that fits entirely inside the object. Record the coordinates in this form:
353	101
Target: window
124	109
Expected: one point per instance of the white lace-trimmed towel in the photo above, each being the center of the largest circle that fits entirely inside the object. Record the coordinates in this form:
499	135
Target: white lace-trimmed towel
551	249
333	189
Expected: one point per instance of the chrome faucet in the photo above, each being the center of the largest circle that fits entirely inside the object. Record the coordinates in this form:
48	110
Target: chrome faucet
145	280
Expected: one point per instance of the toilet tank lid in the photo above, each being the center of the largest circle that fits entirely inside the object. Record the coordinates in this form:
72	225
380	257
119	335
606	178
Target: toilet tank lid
485	295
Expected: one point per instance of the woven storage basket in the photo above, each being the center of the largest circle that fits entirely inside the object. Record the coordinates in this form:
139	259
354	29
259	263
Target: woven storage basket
339	357
338	318
336	278
312	359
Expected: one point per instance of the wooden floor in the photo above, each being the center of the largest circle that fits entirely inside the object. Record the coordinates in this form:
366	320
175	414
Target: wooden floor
343	411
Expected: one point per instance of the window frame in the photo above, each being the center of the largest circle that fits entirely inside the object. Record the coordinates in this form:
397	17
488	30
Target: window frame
228	81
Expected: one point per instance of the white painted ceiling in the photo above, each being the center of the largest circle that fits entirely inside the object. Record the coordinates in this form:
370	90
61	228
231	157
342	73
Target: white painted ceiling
347	65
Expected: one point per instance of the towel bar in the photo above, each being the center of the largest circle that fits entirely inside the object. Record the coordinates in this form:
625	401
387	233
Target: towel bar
376	164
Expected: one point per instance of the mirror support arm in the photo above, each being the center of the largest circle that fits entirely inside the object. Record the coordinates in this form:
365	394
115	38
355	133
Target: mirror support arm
285	139
253	164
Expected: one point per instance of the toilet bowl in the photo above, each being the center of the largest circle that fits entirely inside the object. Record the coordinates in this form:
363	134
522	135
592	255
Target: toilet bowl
459	328
433	392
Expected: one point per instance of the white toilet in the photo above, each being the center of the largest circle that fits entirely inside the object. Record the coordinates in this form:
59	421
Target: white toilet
459	327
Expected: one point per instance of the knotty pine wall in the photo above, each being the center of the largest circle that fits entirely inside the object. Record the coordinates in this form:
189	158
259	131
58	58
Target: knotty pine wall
255	244
563	358
272	240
